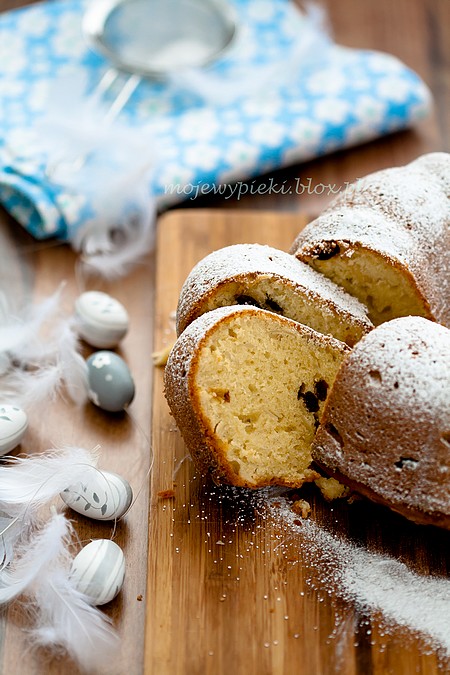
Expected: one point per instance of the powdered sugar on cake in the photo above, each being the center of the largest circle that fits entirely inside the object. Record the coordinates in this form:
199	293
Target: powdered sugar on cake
243	261
410	196
386	424
402	215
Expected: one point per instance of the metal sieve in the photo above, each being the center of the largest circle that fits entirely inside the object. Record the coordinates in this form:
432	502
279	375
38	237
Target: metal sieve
153	38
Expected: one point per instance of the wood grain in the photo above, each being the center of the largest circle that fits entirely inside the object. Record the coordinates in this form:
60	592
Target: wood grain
228	590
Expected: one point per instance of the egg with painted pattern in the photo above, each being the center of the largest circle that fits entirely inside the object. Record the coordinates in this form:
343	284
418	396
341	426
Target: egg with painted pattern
101	320
98	571
110	384
13	425
101	495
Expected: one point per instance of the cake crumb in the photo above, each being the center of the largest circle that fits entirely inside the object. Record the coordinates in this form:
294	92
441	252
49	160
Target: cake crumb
166	494
160	357
331	488
301	507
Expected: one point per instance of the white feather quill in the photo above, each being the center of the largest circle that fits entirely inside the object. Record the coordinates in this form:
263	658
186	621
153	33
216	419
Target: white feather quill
71	364
11	529
65	620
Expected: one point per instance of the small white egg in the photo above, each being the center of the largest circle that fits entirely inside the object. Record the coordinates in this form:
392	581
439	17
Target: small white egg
110	384
101	495
13	425
102	321
98	571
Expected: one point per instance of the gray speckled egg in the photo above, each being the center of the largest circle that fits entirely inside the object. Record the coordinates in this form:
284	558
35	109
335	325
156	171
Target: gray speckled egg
110	385
98	571
101	319
101	495
13	425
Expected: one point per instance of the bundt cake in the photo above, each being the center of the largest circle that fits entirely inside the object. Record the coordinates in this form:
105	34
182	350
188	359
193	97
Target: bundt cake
385	429
246	388
386	240
252	274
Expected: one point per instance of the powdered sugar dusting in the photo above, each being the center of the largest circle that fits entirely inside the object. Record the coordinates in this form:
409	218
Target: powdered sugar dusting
393	393
371	581
410	196
403	213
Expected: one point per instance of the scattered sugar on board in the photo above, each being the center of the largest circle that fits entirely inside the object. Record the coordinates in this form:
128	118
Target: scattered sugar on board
384	592
373	581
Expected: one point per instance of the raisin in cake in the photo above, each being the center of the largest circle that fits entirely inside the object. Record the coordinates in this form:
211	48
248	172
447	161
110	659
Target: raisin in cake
252	274
385	429
246	388
386	240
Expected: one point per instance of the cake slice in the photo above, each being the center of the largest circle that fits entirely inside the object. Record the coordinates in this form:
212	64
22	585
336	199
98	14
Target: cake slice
386	240
252	274
246	388
385	430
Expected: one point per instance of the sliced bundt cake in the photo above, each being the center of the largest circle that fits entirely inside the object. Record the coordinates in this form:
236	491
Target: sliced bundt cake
252	274
386	240
246	388
385	430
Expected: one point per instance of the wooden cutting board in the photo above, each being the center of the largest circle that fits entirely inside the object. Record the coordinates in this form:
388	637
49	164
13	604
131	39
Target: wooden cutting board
230	590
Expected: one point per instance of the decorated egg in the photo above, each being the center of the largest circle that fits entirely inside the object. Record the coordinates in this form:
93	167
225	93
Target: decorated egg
13	425
98	571
101	495
110	384
101	320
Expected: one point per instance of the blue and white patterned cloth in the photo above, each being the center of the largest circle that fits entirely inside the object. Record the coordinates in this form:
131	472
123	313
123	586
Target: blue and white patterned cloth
174	140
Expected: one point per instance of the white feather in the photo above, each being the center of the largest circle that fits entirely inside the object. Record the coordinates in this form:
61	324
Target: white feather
72	366
27	483
28	388
68	622
11	530
65	620
32	558
20	329
40	363
115	259
106	163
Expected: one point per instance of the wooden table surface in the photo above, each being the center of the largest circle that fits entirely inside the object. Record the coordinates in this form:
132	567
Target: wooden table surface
418	32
